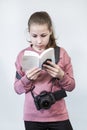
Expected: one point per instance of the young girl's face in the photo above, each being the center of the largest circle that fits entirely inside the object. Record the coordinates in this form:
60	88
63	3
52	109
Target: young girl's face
39	36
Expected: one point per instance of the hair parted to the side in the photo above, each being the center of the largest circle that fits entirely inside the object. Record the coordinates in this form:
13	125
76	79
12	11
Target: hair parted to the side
41	18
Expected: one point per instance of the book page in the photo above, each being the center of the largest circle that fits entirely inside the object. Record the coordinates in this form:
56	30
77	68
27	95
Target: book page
30	60
47	54
31	53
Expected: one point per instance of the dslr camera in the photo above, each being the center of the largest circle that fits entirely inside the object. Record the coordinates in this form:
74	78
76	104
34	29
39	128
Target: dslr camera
45	99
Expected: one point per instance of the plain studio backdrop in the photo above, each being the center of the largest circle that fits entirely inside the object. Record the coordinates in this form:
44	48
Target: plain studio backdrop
70	23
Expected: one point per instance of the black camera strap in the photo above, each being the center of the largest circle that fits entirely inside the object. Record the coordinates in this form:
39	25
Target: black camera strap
57	54
59	94
31	90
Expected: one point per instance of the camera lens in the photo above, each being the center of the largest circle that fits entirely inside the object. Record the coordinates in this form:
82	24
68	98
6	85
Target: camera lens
45	104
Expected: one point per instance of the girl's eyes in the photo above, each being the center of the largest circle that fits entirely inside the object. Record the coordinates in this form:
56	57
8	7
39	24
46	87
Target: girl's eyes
41	35
34	35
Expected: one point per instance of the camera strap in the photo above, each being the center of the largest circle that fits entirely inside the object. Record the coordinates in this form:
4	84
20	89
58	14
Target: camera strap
57	54
59	94
31	90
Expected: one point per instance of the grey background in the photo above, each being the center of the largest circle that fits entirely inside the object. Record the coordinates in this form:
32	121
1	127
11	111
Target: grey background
70	23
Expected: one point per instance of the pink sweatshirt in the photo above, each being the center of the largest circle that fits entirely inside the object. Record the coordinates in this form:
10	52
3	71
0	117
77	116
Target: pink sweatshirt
58	111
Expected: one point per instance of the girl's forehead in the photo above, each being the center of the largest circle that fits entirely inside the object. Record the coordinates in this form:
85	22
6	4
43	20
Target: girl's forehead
34	25
39	27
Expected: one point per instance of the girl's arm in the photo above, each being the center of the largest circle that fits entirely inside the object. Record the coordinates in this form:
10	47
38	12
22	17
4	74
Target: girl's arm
63	72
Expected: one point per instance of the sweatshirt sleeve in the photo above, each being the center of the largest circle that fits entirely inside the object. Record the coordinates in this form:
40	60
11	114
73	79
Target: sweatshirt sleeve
68	81
21	83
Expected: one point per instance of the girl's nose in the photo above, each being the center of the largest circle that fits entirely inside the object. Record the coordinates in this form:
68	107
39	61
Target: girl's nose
39	40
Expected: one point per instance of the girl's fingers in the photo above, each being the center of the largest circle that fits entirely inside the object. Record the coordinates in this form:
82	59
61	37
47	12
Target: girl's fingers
33	72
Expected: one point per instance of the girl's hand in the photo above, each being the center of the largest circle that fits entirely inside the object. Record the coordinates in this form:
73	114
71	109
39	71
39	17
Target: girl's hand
54	70
33	73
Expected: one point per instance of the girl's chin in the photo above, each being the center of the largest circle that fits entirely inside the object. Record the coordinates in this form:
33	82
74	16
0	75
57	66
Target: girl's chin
39	48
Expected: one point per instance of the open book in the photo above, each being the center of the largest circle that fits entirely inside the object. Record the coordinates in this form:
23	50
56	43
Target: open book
32	59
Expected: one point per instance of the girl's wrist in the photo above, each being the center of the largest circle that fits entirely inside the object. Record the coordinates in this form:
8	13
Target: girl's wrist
61	75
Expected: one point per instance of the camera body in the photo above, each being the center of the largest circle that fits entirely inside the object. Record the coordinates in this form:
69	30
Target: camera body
44	100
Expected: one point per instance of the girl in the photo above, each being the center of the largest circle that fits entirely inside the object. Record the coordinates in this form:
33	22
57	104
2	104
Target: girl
56	117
